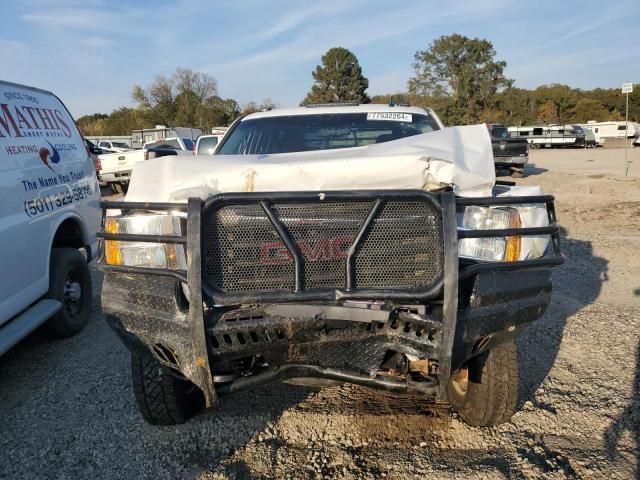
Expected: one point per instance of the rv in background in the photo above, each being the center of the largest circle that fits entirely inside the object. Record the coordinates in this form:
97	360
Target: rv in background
151	135
604	130
550	135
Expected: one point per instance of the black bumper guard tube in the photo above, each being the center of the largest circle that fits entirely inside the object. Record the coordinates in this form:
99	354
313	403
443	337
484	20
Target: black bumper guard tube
442	208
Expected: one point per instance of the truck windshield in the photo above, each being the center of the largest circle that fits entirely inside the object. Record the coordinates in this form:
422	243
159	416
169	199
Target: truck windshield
499	132
303	133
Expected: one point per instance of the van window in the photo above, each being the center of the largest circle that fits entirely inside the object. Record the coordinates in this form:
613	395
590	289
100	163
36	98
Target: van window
622	127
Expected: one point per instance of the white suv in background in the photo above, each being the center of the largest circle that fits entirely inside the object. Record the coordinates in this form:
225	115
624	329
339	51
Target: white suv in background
49	216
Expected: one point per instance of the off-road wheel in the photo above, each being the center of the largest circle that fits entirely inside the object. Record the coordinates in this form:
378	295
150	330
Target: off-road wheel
484	392
70	284
162	397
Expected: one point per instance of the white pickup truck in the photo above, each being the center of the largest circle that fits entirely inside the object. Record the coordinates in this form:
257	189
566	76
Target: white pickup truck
115	168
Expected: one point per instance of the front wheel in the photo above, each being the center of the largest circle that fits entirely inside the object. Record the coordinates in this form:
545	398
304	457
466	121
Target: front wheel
163	398
70	284
484	391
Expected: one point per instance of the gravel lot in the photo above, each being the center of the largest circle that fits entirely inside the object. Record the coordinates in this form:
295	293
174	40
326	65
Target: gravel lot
67	406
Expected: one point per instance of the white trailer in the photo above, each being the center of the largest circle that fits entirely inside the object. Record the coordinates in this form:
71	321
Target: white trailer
549	135
604	130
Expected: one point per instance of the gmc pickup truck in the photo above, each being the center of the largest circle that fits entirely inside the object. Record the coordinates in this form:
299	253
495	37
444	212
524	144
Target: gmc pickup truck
115	168
363	244
509	154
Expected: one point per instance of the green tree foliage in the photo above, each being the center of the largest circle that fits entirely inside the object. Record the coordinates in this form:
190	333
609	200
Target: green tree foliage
338	79
588	109
462	70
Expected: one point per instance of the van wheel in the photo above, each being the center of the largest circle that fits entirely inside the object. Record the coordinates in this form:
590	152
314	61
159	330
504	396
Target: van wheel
484	392
119	188
70	284
162	397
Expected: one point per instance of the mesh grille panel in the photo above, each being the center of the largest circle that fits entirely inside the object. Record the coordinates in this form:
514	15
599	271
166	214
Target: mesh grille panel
242	252
235	240
403	248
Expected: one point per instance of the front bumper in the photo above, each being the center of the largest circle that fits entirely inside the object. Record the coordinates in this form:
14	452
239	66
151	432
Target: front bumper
150	314
460	315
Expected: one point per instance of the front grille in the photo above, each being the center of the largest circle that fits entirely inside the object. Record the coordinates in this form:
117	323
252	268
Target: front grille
402	248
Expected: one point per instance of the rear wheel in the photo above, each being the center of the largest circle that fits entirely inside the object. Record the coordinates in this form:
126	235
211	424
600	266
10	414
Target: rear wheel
70	284
162	397
484	392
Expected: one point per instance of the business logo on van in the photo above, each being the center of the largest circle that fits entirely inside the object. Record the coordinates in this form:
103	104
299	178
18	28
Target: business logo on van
47	156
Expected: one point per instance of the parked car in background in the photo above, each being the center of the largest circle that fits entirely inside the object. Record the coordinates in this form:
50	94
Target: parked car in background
177	143
115	168
114	147
509	154
139	138
49	216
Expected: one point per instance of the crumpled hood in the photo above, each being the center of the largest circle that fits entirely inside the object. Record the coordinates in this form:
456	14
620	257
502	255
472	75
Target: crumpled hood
460	157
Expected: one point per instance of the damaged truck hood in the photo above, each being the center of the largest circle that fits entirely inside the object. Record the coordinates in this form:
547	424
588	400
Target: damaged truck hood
458	157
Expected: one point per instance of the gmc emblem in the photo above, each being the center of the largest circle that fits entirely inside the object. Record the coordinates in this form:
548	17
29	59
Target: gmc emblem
276	253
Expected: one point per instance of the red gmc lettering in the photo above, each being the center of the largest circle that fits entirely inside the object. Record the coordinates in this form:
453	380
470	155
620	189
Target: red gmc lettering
276	253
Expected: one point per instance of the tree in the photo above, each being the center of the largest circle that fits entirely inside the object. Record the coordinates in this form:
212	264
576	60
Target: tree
338	79
548	113
176	99
252	107
589	109
462	69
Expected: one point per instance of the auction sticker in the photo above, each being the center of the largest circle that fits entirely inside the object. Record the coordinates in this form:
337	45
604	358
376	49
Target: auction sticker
390	116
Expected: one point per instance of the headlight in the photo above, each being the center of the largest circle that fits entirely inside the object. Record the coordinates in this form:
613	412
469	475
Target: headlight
143	254
500	249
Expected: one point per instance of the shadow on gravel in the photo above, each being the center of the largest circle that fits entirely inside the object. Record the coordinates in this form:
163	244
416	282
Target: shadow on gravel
576	284
531	170
629	419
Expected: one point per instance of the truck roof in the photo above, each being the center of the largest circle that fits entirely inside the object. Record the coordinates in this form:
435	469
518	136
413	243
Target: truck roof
338	108
20	85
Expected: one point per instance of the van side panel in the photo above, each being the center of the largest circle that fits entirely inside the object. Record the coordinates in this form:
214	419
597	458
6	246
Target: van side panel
45	174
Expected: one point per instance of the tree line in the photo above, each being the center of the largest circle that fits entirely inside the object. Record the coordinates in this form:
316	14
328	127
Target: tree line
459	77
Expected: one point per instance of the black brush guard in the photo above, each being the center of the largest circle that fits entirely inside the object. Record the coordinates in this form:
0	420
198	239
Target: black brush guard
441	284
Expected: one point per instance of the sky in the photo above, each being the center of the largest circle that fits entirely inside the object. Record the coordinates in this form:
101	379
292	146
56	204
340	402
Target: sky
91	52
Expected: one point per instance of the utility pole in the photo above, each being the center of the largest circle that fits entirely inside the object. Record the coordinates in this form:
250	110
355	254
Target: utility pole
627	88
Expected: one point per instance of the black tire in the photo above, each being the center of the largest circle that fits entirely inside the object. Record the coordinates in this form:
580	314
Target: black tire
69	283
489	395
119	187
162	398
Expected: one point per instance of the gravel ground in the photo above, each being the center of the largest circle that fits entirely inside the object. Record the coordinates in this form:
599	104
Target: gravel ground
67	406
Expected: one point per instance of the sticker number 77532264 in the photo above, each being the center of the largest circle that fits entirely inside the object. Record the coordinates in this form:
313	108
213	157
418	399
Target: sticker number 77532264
390	116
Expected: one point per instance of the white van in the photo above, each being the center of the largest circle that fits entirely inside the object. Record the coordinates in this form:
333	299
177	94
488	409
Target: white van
49	215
